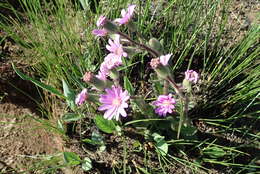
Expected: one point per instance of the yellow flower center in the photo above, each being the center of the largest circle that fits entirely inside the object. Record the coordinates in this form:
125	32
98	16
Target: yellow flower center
116	102
166	103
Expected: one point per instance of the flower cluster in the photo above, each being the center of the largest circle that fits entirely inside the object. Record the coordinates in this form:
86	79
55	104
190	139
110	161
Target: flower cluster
112	97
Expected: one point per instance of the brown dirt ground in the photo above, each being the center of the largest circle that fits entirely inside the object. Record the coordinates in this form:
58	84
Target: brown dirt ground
23	138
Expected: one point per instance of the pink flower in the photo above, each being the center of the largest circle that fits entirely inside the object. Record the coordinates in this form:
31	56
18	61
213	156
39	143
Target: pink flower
81	97
115	48
164	59
109	63
101	21
192	76
100	32
126	15
114	102
165	104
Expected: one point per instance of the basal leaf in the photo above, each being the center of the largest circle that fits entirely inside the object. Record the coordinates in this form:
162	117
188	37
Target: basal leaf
69	94
36	82
128	85
105	125
71	158
86	164
68	117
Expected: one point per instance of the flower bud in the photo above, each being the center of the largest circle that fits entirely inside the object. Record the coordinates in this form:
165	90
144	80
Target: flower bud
114	74
81	97
110	26
186	85
94	81
156	45
162	71
131	50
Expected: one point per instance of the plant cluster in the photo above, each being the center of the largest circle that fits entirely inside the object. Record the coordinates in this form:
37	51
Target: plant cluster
112	97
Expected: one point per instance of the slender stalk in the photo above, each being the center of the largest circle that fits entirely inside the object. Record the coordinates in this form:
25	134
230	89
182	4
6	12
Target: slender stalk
182	118
184	102
143	46
165	87
176	88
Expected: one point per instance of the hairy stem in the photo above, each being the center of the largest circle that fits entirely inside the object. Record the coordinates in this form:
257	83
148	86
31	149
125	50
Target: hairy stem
143	46
165	87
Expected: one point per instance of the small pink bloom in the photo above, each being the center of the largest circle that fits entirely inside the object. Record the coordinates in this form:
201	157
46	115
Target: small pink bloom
88	76
165	104
192	76
101	21
112	61
114	102
126	15
155	62
115	47
165	59
81	97
100	32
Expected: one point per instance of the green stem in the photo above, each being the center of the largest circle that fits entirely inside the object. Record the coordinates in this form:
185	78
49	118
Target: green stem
165	87
176	88
143	46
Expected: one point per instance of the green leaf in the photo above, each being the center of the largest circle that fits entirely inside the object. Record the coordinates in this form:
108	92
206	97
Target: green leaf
36	82
69	94
162	147
68	117
105	125
71	158
60	126
128	86
161	144
143	120
92	142
86	164
214	152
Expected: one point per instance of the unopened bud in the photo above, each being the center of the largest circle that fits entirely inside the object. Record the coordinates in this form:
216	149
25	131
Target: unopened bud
94	81
162	71
110	26
81	97
186	85
114	74
155	44
131	50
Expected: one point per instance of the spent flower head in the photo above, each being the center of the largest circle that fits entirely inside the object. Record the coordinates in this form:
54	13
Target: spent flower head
192	76
165	104
126	15
114	102
81	97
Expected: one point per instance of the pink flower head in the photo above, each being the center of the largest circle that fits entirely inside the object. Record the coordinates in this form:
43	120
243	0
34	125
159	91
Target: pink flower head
126	15
112	61
81	97
155	62
192	76
109	63
101	21
114	102
165	104
165	59
115	47
100	32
